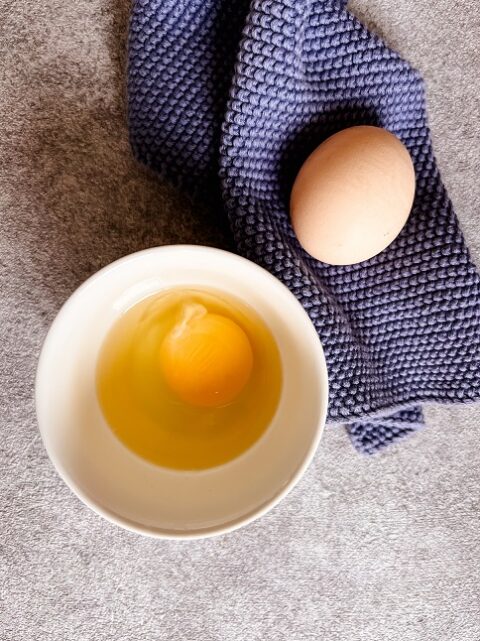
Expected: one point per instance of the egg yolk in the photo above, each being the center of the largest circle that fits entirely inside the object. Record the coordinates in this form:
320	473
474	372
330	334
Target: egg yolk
206	359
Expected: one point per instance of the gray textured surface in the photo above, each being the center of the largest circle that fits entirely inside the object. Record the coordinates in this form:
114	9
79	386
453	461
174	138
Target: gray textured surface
376	549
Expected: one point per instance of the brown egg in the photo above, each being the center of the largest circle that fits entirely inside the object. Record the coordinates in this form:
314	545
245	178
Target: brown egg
353	195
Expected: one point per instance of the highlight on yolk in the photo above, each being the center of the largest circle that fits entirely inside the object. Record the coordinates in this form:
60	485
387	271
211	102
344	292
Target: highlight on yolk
206	359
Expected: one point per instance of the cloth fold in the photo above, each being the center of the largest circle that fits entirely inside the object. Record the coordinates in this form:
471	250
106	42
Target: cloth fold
228	98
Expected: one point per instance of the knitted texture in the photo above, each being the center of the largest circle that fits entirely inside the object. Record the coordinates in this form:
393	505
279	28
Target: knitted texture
230	97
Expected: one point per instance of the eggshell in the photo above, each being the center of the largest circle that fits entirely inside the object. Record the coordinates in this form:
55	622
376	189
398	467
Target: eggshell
353	195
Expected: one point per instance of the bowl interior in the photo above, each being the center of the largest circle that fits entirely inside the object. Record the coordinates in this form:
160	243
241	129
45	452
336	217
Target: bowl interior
125	488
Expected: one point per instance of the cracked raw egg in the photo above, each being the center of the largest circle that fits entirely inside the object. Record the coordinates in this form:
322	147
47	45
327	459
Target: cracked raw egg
189	378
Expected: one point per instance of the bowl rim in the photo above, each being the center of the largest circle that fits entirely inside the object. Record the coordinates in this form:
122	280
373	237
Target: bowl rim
123	521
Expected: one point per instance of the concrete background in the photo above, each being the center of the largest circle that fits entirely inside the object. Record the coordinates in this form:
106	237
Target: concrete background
383	548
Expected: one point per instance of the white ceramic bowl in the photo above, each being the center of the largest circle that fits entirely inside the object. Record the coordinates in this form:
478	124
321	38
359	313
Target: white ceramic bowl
123	487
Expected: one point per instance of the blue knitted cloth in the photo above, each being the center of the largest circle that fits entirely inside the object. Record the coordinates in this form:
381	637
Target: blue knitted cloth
228	97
